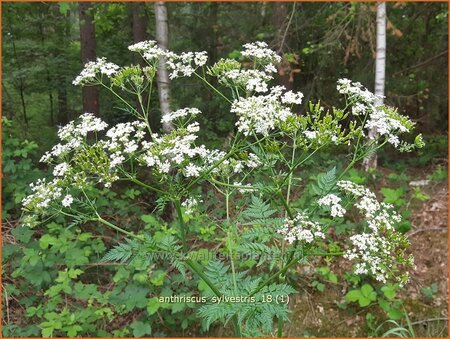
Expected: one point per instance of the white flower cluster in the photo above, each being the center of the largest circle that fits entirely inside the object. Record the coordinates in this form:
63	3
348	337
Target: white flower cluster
262	113
301	228
190	204
230	166
67	201
385	125
376	252
378	215
250	79
383	120
292	98
256	80
148	49
44	193
181	113
61	169
334	203
358	93
92	68
88	122
260	51
123	140
185	64
73	134
173	150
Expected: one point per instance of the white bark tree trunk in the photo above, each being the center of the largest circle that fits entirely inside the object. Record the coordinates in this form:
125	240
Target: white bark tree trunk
380	73
162	38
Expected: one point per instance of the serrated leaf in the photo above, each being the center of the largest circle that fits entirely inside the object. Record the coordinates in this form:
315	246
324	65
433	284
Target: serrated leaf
324	183
258	209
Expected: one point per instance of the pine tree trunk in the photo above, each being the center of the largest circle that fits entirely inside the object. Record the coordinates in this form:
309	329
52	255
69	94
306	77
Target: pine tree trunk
380	77
88	45
162	38
280	19
140	23
139	29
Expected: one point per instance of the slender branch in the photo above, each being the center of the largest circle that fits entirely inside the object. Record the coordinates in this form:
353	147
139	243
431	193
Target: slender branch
119	97
140	183
182	225
197	269
107	223
212	87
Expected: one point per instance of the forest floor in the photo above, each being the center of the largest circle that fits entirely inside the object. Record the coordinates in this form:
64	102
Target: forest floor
318	313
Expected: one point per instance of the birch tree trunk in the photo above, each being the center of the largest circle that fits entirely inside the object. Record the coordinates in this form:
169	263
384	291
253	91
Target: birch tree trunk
380	71
88	45
162	39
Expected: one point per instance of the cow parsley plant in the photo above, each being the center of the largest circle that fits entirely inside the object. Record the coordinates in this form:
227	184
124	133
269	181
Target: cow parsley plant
257	177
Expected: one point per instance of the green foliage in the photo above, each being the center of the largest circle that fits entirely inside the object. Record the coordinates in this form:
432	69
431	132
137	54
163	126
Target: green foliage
429	291
439	174
254	309
385	297
325	182
18	169
258	209
364	296
394	196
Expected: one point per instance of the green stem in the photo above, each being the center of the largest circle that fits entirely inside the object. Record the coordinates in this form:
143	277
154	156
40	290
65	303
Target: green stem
182	225
198	270
119	97
280	328
144	112
272	277
107	223
212	87
285	204
149	96
326	254
291	172
140	183
228	185
300	162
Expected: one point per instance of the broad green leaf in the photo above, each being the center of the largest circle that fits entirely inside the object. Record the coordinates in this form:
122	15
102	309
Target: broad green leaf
353	295
152	305
140	329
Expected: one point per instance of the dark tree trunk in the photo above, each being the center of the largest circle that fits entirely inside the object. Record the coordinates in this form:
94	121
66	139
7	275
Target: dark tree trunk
88	45
63	114
21	87
47	73
280	19
22	100
140	23
213	38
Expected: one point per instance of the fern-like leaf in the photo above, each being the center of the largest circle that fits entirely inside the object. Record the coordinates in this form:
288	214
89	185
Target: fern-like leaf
258	209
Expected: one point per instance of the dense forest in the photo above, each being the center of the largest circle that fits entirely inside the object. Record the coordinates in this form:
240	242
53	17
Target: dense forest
71	275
